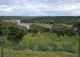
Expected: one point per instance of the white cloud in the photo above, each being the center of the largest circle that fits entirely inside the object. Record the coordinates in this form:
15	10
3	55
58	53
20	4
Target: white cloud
67	7
12	8
41	7
75	13
6	8
49	7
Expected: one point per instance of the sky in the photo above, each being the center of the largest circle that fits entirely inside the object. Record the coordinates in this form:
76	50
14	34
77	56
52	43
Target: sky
39	7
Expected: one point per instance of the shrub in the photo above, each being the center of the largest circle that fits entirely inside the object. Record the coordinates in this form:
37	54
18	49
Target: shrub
32	44
68	46
53	46
20	46
43	46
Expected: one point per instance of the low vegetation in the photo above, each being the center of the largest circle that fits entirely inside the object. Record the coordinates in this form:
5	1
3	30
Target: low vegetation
29	53
39	41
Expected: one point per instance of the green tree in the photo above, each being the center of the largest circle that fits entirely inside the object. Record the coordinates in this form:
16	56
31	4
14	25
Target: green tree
59	30
76	26
1	31
36	28
71	32
14	32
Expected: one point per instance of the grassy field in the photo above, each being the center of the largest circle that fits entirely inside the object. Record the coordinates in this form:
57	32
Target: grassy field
28	53
43	45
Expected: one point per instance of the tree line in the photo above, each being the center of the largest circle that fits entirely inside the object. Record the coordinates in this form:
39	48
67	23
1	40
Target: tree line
59	30
53	19
43	19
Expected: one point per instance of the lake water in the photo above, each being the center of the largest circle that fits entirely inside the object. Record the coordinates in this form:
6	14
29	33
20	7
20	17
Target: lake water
27	25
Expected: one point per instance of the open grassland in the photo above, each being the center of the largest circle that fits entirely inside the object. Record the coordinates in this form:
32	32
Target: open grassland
43	45
29	53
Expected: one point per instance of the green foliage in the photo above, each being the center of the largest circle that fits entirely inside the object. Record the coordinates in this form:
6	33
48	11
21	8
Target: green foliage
43	44
44	40
37	28
68	46
38	45
19	47
23	53
1	27
32	44
46	29
14	32
52	19
49	43
59	30
33	29
76	26
71	32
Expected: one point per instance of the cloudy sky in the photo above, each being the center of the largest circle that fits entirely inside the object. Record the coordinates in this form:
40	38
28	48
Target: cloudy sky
40	7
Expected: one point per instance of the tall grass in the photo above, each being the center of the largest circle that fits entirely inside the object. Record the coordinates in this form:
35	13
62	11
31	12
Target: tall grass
48	42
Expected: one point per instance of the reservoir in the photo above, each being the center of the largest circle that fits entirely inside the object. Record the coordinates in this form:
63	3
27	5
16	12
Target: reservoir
27	25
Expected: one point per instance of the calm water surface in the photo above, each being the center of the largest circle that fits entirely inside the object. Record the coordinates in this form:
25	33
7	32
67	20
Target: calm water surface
27	25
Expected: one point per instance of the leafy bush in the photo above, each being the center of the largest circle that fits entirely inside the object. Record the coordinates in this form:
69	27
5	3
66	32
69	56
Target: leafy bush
42	44
20	46
32	44
68	46
53	46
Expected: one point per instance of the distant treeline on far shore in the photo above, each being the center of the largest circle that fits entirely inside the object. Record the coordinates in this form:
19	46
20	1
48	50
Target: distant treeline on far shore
44	19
